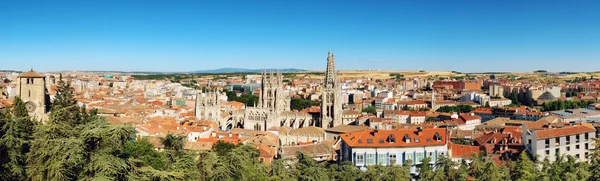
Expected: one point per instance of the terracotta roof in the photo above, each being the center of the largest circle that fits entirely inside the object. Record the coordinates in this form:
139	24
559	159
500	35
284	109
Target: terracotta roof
351	112
347	128
198	145
466	151
32	74
310	130
395	138
309	149
557	132
468	116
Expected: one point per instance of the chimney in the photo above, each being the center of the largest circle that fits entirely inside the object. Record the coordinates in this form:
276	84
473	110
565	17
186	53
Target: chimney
214	134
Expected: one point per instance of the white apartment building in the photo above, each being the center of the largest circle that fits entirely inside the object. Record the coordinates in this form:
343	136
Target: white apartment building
546	142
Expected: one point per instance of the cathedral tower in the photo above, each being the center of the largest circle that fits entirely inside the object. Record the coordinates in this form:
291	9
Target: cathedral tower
331	108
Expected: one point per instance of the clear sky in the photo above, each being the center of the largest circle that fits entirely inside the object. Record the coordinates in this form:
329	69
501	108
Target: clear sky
468	36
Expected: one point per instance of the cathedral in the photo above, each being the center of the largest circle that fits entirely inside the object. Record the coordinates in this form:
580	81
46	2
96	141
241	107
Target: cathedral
273	109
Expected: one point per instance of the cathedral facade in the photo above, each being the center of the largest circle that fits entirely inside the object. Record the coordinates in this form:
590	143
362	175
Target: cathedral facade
272	110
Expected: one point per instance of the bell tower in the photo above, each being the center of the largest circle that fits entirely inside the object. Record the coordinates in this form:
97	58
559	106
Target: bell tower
32	90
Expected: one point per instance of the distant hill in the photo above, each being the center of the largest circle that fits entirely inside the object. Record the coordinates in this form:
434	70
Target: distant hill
237	70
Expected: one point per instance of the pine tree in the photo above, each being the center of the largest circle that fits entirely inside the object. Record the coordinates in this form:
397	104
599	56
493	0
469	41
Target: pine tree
425	170
19	109
64	97
15	140
595	161
280	171
174	142
525	169
308	169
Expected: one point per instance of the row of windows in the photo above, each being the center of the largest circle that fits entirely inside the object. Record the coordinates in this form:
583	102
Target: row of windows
568	149
567	140
391	158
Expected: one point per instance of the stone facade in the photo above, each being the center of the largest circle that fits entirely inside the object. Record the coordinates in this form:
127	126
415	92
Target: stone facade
273	109
32	90
331	108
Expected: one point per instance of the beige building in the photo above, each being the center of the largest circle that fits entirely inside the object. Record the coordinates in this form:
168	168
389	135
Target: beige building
31	88
496	91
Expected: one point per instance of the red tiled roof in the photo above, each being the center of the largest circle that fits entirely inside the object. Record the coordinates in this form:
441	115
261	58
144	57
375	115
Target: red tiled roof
32	74
379	138
459	150
557	132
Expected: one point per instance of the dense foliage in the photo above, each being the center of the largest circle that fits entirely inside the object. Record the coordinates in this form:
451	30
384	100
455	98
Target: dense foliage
370	109
457	109
561	105
300	104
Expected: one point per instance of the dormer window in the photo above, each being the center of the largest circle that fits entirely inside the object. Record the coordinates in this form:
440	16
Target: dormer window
359	141
391	138
437	137
406	138
370	141
417	140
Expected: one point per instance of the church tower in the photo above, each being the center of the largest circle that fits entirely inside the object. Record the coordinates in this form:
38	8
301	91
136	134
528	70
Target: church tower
331	108
208	105
32	90
272	97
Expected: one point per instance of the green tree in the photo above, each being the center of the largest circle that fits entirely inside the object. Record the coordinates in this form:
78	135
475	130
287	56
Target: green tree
19	110
370	109
300	104
144	151
64	97
425	170
280	171
525	169
15	140
309	170
174	142
222	148
595	161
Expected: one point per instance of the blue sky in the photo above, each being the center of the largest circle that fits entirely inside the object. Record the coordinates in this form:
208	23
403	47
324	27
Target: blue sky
468	36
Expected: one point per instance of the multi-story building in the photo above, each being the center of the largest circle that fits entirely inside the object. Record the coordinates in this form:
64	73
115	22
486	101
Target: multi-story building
460	85
548	141
496	91
393	147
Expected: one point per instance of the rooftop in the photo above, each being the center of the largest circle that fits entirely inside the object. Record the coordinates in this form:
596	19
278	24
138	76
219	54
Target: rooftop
396	138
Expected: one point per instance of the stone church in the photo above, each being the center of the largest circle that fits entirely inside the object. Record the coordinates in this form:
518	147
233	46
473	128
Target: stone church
31	88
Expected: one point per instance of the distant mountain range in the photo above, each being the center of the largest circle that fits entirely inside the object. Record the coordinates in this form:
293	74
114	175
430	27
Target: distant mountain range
238	70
